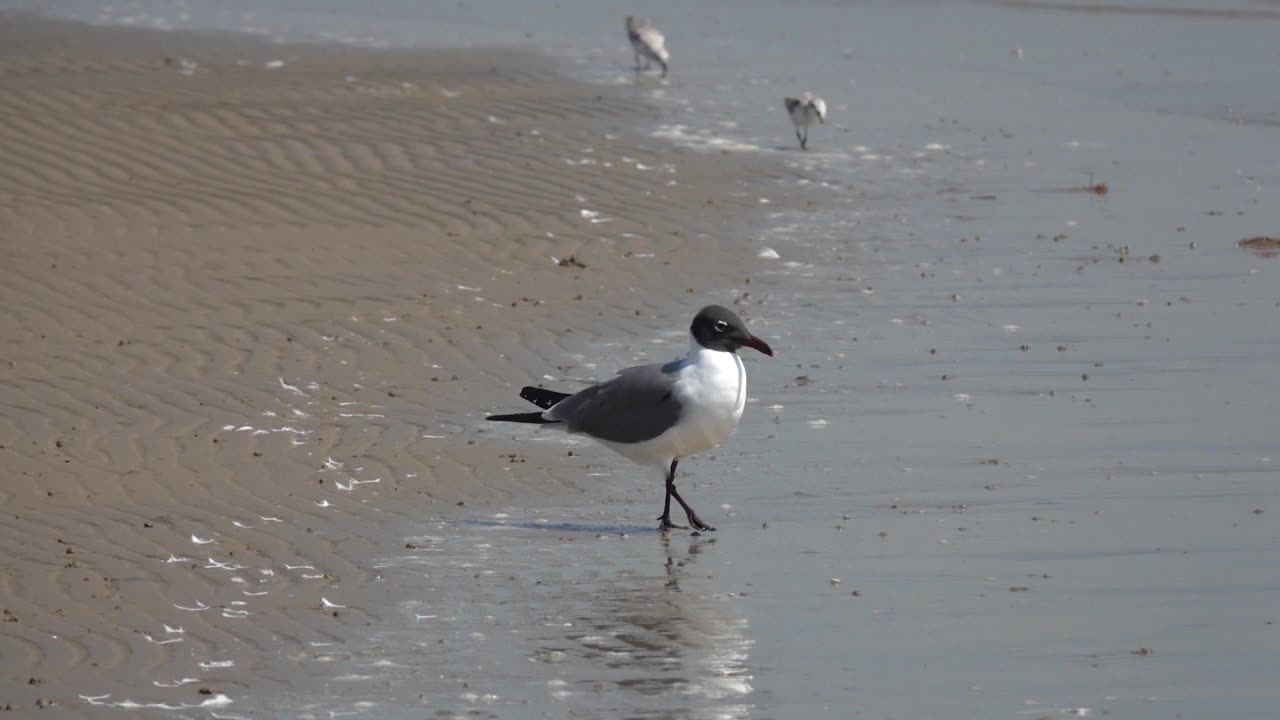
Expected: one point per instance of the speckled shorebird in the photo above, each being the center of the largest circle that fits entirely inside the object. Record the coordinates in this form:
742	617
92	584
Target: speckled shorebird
647	43
658	414
804	111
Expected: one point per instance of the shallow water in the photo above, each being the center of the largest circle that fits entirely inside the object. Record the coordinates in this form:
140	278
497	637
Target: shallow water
1035	433
541	617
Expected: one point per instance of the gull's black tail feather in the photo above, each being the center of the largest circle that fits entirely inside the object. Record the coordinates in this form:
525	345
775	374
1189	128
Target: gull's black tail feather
533	417
542	397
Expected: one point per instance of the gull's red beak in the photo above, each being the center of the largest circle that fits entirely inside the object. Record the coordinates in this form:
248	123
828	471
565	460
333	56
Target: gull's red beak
756	343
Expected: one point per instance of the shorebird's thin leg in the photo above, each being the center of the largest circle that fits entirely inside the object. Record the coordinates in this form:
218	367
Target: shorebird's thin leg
694	520
800	138
666	523
637	53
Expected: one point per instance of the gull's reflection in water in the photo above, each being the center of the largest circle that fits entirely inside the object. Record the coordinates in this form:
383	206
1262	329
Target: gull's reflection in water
655	644
556	619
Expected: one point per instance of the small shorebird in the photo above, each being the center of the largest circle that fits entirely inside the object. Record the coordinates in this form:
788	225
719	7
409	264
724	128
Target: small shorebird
647	43
658	414
804	110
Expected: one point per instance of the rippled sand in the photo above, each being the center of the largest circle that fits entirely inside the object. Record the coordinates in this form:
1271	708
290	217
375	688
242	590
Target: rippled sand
256	298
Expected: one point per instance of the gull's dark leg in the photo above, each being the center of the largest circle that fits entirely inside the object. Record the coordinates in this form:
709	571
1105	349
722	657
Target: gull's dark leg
804	141
800	138
694	520
666	523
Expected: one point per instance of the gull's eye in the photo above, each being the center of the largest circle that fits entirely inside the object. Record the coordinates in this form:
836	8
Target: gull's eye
722	326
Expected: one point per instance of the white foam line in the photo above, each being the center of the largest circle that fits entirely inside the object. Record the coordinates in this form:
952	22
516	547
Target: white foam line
200	607
292	388
167	641
324	602
217	701
241	525
211	664
175	683
200	540
264	518
175	559
285	429
354	482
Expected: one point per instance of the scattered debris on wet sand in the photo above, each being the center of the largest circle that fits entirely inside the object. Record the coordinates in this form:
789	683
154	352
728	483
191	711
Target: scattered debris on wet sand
1262	245
571	261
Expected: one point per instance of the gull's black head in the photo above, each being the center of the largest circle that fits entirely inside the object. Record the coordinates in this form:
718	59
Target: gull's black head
719	328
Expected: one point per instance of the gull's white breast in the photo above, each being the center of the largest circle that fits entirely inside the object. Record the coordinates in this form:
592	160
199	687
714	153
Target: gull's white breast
804	116
651	42
712	391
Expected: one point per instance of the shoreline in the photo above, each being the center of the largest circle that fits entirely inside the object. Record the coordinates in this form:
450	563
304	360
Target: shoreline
260	296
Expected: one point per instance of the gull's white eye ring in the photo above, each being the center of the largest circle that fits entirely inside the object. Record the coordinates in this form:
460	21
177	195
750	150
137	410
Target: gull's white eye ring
721	326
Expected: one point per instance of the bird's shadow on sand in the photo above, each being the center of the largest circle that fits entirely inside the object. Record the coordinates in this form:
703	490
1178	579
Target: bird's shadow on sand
569	526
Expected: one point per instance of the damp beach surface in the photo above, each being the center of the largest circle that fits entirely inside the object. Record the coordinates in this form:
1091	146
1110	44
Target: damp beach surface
1015	456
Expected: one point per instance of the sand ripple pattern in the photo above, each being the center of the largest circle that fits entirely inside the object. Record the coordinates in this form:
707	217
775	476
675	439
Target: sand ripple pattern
256	299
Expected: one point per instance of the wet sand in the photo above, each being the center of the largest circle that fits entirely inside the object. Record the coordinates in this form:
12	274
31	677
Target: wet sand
1015	457
256	298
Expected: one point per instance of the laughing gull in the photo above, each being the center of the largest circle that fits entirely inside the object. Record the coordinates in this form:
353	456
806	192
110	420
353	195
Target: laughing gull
804	111
657	414
647	43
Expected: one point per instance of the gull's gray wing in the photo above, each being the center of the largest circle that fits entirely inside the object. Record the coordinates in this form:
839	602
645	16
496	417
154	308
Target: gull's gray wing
637	405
